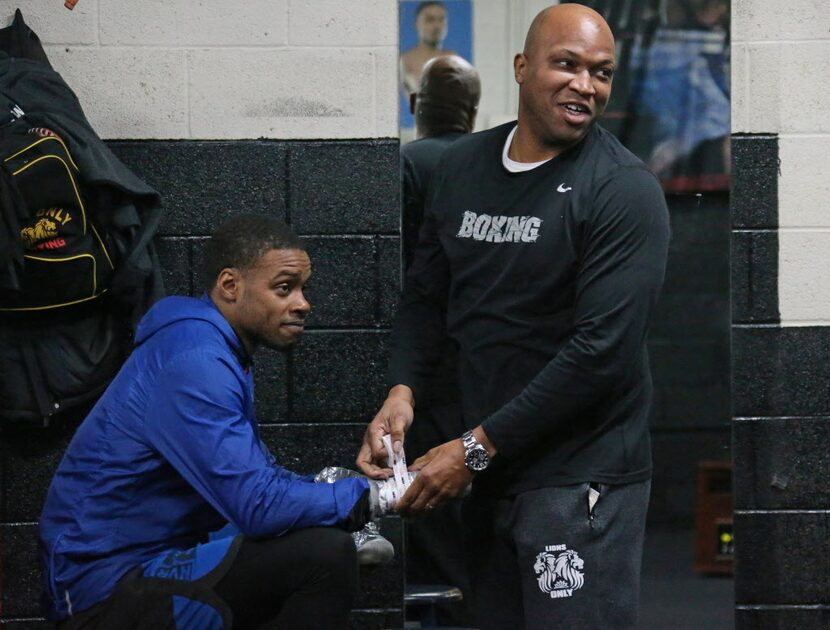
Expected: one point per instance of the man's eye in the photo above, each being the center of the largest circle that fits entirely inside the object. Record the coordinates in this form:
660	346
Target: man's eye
605	73
282	289
565	63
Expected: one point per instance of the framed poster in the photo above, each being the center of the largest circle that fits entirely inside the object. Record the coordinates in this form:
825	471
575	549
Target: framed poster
427	30
671	98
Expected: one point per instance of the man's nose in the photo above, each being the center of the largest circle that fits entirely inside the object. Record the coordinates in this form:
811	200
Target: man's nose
583	83
301	305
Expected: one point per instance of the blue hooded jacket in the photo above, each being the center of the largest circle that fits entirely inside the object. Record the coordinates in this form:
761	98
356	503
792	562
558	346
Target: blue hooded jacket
170	453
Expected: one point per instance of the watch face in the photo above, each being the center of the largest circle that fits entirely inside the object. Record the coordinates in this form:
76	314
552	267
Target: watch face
477	459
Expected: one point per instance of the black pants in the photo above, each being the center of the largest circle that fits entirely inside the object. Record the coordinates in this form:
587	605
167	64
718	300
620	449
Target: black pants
551	558
435	541
305	580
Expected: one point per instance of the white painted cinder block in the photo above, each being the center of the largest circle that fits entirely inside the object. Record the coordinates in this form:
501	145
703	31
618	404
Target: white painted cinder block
386	92
804	186
787	93
127	92
53	23
766	20
493	51
214	69
308	93
190	23
343	23
804	277
739	80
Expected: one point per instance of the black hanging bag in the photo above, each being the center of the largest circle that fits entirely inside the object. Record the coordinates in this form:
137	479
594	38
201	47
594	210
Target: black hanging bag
77	264
65	259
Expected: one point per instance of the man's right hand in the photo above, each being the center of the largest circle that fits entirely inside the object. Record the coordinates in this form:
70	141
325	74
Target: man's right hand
393	418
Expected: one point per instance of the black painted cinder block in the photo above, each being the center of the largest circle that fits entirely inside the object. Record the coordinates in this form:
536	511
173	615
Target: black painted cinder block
343	289
338	376
28	624
741	277
699	246
755	277
308	448
376	619
204	182
21	571
782	618
344	187
197	270
270	385
754	181
780	371
692	363
782	558
691	406
389	260
676	455
779	463
382	586
28	460
174	257
691	315
756	390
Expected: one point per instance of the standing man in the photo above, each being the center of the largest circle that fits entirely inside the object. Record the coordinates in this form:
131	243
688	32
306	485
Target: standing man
431	25
171	454
543	253
444	108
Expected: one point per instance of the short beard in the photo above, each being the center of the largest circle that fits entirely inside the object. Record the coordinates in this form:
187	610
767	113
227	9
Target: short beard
282	347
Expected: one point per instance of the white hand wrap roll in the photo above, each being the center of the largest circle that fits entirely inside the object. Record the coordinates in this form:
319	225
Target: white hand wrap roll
394	488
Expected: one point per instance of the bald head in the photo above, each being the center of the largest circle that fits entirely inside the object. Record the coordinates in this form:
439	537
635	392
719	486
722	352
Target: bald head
447	97
564	76
565	17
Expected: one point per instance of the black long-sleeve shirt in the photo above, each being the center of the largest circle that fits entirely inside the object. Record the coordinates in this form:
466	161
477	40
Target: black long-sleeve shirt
548	278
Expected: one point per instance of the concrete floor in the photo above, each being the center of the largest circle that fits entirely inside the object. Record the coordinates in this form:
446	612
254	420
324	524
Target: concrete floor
673	596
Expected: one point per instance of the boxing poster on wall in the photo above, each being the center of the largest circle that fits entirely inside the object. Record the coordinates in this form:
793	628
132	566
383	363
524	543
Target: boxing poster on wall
671	98
428	30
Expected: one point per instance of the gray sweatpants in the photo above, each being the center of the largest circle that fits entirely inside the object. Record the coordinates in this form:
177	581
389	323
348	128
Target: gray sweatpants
546	559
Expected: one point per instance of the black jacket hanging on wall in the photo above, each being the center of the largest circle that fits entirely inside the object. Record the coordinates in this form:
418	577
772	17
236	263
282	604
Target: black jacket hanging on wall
52	358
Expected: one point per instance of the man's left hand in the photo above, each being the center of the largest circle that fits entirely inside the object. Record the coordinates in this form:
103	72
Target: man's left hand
442	475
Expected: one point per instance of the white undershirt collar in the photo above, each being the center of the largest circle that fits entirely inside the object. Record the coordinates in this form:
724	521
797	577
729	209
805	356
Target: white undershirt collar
512	165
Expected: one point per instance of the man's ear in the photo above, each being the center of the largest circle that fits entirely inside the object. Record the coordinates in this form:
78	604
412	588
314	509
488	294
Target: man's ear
519	66
471	114
228	284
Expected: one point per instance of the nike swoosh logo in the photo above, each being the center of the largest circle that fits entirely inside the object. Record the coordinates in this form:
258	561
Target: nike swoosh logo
563	188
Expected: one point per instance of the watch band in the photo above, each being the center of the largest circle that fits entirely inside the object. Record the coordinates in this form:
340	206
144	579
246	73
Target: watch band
469	441
476	457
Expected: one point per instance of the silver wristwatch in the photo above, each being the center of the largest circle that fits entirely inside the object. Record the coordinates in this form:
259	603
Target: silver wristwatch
476	458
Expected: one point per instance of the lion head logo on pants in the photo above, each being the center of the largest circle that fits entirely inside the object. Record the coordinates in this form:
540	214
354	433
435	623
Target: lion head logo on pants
559	574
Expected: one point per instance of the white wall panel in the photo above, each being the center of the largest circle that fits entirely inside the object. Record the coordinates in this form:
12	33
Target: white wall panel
190	23
804	183
763	20
216	69
788	90
313	93
339	23
127	92
804	277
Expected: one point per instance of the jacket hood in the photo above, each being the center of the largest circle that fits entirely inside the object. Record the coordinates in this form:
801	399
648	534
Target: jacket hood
176	308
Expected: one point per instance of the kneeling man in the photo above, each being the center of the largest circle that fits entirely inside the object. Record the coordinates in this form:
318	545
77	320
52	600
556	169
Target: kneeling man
167	510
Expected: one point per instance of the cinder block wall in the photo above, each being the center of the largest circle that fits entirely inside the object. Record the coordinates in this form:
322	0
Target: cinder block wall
781	312
282	106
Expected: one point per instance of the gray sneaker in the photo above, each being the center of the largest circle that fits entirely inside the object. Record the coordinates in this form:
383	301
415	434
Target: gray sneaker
372	548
